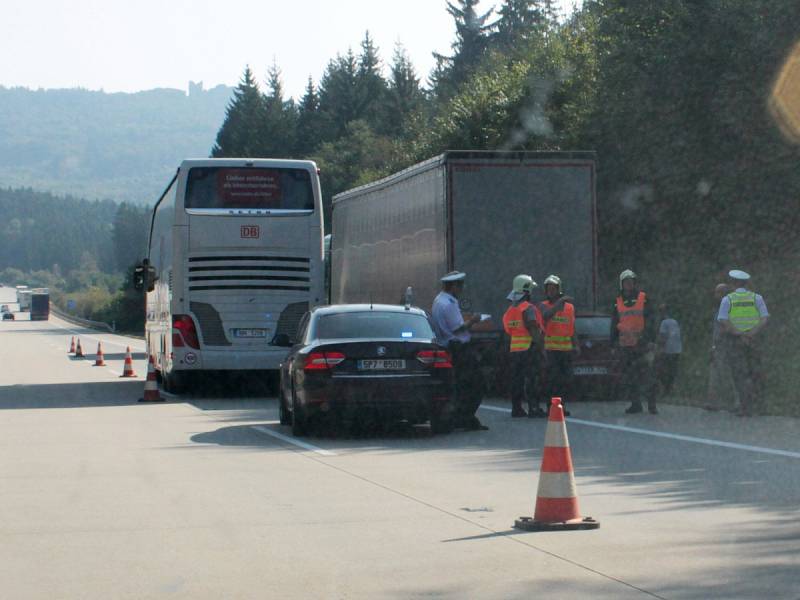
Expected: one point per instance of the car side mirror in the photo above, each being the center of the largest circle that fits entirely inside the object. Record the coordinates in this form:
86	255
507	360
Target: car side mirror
283	340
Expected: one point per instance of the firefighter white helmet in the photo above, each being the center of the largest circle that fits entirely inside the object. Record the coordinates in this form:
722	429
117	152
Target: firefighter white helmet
523	284
626	274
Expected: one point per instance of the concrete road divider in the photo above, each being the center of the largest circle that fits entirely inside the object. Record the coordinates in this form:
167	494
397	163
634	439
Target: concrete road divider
556	498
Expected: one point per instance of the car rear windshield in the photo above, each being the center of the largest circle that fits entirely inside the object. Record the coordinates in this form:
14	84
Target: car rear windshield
249	188
593	326
373	324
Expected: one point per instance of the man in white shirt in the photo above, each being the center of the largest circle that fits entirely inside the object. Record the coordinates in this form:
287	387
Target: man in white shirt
668	348
742	316
453	333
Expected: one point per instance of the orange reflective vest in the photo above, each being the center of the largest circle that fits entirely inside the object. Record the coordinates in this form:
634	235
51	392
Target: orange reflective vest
631	321
560	329
514	324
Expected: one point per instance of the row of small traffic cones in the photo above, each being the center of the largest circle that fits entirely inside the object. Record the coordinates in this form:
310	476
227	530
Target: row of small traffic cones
151	393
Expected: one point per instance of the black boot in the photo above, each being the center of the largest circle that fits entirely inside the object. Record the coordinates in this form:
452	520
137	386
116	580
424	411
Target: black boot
518	411
634	408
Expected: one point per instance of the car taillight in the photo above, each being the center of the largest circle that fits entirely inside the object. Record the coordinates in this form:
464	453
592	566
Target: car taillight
322	361
183	330
440	359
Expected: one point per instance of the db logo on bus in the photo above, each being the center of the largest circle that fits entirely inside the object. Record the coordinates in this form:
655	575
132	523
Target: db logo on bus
251	231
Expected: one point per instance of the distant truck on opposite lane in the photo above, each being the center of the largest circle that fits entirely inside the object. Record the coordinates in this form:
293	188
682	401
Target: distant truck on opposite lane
40	305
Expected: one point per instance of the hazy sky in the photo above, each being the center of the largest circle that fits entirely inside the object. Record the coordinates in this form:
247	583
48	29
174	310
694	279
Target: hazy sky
134	45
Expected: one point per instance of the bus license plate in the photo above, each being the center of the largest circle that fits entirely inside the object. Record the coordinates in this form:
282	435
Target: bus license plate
381	364
250	333
590	371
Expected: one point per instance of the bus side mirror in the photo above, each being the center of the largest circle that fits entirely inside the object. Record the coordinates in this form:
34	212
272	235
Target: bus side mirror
144	277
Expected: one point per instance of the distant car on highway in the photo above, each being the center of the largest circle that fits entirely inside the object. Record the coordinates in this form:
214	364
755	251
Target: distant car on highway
596	371
4	308
8	316
362	362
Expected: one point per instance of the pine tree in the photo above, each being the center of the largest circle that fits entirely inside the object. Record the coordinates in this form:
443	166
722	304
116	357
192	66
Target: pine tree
338	96
243	118
519	21
276	135
404	97
309	128
469	47
370	85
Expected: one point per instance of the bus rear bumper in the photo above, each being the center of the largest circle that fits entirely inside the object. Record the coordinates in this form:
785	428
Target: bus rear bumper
229	360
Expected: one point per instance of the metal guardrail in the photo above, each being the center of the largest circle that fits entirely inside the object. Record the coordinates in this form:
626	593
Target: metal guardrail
78	321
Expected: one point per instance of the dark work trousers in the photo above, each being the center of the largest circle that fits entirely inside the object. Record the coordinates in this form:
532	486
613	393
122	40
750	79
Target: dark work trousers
666	371
637	381
558	377
523	374
469	382
745	363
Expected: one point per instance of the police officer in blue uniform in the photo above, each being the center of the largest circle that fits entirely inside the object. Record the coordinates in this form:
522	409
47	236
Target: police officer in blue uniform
453	332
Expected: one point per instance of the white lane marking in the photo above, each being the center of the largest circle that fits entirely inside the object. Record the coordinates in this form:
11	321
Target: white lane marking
670	436
292	440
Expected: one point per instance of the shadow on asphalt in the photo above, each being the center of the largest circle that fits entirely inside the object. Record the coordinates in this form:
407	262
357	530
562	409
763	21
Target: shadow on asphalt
71	395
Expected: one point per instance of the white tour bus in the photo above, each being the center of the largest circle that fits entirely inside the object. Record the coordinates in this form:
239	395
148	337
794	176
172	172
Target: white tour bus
235	259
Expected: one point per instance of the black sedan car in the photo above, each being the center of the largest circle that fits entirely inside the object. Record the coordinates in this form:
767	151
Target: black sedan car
359	362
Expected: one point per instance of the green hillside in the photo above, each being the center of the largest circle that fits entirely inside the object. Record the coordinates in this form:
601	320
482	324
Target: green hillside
92	144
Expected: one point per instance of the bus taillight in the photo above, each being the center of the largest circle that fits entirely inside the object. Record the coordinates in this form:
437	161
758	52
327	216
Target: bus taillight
183	330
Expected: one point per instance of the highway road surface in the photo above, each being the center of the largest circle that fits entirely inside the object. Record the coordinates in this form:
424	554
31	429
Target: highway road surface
206	496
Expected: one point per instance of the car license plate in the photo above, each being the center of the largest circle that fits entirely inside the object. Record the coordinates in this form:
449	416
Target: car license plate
250	333
590	371
382	364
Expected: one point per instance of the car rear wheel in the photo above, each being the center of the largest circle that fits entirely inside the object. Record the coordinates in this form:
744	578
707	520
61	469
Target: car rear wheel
283	411
299	419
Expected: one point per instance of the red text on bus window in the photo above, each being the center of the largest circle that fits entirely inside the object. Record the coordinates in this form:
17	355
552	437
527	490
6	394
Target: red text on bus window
249	187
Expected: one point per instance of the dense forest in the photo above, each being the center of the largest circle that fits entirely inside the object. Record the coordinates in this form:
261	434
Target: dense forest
92	144
695	175
80	249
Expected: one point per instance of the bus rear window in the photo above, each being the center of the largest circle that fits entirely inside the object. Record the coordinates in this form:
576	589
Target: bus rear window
249	188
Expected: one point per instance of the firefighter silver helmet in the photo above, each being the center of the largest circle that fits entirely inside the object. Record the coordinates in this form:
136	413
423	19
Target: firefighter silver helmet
553	280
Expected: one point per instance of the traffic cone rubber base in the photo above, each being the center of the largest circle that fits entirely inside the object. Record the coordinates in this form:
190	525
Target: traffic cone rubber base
528	524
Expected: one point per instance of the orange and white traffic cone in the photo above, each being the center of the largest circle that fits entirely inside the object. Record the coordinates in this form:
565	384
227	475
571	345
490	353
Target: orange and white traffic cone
151	393
78	350
99	361
127	370
72	346
556	499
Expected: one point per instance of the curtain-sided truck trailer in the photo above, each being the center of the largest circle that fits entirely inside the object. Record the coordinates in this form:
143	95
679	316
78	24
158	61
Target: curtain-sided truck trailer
492	215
